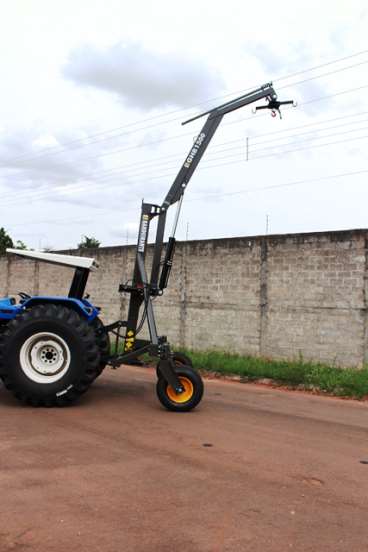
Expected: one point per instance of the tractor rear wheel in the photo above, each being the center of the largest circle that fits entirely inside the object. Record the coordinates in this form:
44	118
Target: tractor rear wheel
48	356
103	344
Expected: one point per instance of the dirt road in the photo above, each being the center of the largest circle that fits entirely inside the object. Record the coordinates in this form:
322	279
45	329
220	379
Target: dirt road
252	469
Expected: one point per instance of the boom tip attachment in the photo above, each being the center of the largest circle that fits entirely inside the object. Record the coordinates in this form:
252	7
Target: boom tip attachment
274	106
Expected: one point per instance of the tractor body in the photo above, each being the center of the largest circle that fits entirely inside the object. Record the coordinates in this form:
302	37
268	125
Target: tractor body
9	308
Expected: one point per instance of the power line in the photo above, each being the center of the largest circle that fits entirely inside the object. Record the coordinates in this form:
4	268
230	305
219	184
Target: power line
207	165
236	160
309	139
253	138
52	221
82	143
136	166
328	74
307	125
242	160
201	197
102	134
80	187
226	123
282	185
67	149
136	172
179	155
231	160
313	147
322	65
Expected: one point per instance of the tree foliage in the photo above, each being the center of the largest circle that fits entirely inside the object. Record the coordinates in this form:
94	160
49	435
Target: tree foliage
89	242
5	241
19	244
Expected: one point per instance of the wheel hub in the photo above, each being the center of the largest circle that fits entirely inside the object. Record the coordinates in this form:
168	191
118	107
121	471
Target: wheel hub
45	357
183	397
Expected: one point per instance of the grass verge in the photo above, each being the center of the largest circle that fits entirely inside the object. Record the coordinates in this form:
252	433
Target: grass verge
348	382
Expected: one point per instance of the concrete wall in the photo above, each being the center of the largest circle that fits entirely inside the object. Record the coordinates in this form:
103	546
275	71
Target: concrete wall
277	296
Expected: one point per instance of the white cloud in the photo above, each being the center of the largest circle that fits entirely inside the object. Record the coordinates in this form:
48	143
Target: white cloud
142	78
121	58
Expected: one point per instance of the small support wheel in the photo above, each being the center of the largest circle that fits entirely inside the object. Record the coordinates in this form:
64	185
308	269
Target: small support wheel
180	359
191	396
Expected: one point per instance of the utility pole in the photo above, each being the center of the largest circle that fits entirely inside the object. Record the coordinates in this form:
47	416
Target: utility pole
267	224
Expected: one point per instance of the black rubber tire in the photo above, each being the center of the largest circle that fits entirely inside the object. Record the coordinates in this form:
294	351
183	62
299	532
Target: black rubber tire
103	344
180	359
80	339
190	373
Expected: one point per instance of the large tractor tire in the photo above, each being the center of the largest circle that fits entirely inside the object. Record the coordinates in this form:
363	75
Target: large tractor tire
48	356
103	344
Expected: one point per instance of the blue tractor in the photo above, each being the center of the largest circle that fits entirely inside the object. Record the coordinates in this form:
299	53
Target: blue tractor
53	348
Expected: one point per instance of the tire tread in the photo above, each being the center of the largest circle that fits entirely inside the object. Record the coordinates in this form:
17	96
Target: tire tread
83	331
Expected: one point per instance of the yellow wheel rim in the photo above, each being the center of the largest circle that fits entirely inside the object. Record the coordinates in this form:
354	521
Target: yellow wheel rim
183	397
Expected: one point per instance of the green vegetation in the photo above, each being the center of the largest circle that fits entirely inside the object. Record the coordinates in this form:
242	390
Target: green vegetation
19	244
6	241
342	382
88	242
347	382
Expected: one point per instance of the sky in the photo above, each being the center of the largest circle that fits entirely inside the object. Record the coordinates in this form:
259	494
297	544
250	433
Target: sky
94	92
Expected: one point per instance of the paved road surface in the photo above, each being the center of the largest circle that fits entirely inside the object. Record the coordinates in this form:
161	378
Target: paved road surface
117	473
